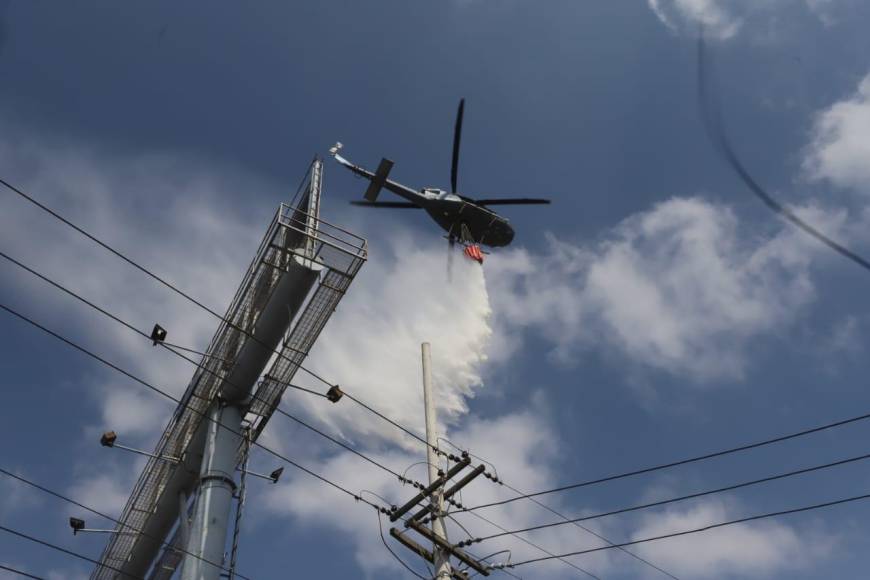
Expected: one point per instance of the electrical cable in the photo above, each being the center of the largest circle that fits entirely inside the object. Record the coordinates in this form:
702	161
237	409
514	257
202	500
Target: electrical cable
178	401
561	515
196	302
696	459
57	548
534	545
214	313
172	348
712	120
705	528
20	572
461	527
396	556
405	519
71	501
385	418
688	496
565	520
129	375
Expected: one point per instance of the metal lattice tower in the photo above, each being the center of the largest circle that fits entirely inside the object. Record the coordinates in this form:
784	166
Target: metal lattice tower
296	280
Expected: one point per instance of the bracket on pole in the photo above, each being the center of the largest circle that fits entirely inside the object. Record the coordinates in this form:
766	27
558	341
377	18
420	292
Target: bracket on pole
427	491
448	547
448	493
422	552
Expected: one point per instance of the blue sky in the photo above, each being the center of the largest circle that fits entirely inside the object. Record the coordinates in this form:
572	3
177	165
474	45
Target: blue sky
655	311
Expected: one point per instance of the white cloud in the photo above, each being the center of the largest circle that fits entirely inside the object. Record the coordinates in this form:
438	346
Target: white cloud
717	19
174	215
16	496
724	19
840	142
106	493
372	345
67	574
177	220
521	445
741	550
7	574
527	454
680	287
676	288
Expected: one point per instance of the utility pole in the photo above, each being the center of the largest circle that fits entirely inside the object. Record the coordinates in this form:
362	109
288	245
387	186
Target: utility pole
436	495
443	570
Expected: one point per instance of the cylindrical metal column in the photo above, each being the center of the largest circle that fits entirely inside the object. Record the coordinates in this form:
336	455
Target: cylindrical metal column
443	570
208	529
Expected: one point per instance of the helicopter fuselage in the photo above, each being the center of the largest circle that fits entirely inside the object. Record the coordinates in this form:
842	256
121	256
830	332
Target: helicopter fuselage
459	216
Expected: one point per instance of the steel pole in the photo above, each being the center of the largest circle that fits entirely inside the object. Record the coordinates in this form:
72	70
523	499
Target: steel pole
443	571
208	529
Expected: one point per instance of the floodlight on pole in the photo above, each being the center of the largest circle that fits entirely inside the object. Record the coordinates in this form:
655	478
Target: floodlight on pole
78	525
158	334
272	477
334	393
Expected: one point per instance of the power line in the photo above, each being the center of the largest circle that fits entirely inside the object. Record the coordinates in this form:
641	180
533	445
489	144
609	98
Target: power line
301	422
20	572
555	512
396	556
57	548
172	348
196	302
703	528
686	497
186	405
536	546
69	500
680	462
212	312
712	120
593	532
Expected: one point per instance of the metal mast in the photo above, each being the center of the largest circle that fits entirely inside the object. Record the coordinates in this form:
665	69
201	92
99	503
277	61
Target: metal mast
299	274
443	570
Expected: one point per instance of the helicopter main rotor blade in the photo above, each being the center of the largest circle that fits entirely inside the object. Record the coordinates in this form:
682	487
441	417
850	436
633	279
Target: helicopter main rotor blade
512	201
457	137
387	204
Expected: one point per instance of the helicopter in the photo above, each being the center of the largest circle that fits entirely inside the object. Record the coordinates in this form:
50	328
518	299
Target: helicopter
466	220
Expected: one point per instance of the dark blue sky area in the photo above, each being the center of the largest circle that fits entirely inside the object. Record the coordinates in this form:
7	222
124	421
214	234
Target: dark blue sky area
593	104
